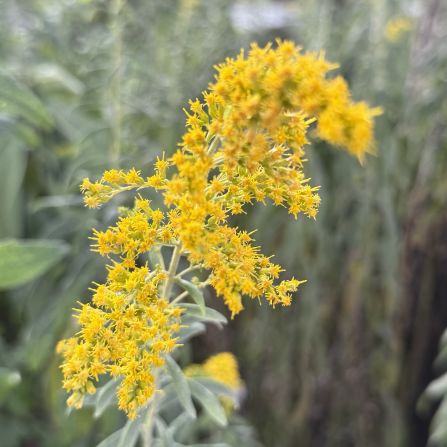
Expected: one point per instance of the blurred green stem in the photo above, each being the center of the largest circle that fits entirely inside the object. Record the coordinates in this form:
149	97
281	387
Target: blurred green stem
115	87
148	426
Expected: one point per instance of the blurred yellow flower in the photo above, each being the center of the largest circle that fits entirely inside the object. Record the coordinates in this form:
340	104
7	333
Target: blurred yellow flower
396	27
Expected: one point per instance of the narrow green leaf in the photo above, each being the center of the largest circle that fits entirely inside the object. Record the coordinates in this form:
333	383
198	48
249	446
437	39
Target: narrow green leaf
126	436
181	420
181	386
194	292
24	260
18	100
188	332
164	435
211	315
105	397
130	433
112	440
209	402
216	387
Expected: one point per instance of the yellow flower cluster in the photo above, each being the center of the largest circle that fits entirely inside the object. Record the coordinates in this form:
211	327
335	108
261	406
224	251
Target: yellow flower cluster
244	143
125	332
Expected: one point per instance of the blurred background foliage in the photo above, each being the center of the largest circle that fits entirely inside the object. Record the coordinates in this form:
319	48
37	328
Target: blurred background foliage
91	84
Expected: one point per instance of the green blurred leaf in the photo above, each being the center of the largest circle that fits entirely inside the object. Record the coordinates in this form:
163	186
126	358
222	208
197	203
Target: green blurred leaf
18	100
181	420
12	169
24	260
125	437
209	402
8	380
181	386
130	433
111	441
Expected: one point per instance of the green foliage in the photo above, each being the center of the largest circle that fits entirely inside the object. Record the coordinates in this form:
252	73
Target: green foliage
23	261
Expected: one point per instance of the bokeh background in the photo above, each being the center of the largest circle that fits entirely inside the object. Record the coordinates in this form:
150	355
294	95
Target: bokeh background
91	84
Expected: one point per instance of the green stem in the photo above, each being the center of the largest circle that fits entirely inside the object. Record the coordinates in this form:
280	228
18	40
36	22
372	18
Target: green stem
191	268
148	426
176	255
178	298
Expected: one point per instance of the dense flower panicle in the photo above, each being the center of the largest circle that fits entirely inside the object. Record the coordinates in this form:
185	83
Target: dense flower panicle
125	332
245	143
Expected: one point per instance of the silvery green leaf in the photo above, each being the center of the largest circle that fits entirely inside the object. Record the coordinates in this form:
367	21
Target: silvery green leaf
194	292
216	387
211	315
181	386
188	332
105	397
209	401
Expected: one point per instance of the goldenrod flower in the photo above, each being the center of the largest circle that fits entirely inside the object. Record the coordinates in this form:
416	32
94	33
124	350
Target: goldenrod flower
245	143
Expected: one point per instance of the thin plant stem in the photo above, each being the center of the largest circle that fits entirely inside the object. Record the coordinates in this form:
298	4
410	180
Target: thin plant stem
191	268
176	255
148	425
178	298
